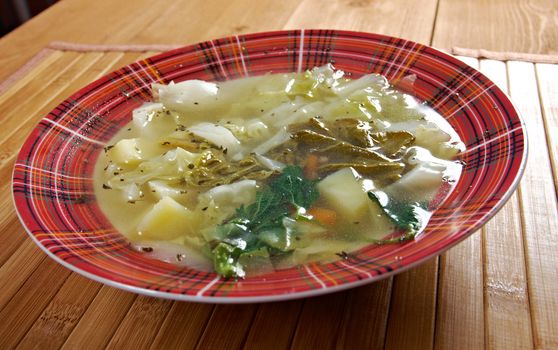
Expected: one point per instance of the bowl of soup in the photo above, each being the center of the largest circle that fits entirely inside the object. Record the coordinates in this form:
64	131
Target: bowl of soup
269	166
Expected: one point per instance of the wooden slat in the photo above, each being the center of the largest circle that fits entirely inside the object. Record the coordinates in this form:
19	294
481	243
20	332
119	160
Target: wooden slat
505	275
183	326
364	324
548	91
319	323
460	309
507	314
103	316
512	25
10	223
27	304
242	16
138	329
61	315
539	210
228	326
41	67
34	35
18	268
7	211
410	19
12	101
413	308
280	317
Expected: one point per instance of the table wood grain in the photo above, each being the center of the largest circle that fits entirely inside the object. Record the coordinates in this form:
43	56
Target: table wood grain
497	289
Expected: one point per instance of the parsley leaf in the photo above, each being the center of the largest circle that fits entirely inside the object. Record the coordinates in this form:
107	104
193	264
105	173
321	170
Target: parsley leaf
294	188
406	216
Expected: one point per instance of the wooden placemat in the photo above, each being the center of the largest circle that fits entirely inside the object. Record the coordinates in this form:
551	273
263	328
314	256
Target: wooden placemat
496	289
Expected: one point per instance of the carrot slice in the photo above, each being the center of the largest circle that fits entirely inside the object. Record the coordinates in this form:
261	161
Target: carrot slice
311	167
324	216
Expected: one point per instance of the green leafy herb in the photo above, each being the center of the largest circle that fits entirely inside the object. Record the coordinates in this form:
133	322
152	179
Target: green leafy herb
406	216
225	260
281	237
266	223
294	188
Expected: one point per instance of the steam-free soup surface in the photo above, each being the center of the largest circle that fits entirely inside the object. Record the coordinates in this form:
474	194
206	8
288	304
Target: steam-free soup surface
263	173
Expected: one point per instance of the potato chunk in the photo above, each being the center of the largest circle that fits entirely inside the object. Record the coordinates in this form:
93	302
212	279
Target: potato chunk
166	220
345	193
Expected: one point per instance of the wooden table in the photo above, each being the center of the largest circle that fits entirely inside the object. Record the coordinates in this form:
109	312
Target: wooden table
498	289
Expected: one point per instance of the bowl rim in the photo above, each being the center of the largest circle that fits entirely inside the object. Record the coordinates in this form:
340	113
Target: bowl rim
296	294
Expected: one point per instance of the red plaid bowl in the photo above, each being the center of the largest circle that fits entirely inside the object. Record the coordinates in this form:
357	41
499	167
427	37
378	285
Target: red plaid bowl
53	187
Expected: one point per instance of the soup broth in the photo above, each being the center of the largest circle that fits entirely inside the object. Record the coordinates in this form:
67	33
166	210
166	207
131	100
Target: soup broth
262	173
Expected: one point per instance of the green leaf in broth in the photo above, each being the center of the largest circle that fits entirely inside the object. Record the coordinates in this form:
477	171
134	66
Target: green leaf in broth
264	223
280	237
256	261
405	215
225	260
295	188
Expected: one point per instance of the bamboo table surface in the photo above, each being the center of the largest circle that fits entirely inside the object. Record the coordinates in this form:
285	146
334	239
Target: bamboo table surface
498	289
